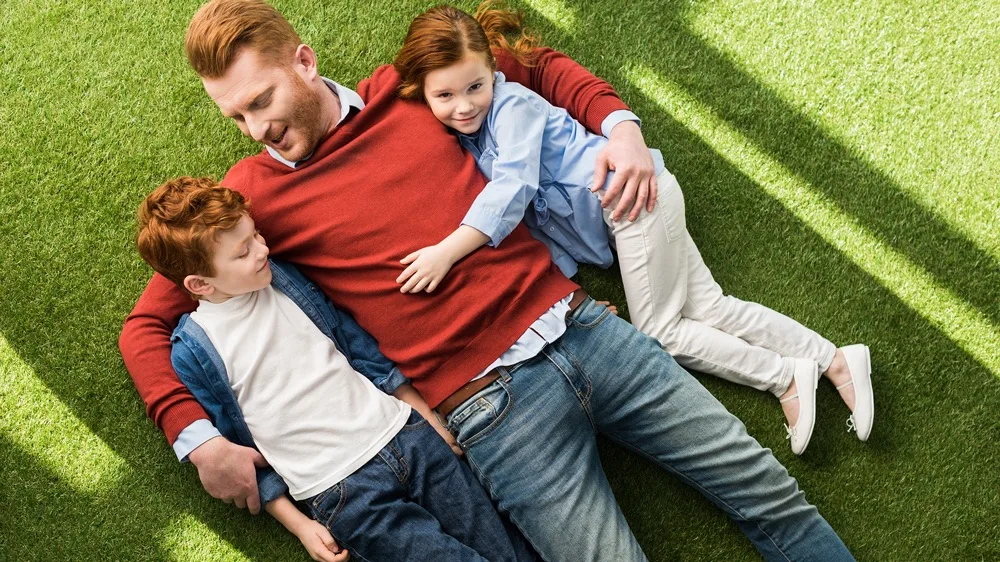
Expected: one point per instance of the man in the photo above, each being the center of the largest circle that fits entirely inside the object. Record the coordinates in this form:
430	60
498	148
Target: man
524	368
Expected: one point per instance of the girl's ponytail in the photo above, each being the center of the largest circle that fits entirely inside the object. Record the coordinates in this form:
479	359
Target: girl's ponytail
441	36
497	23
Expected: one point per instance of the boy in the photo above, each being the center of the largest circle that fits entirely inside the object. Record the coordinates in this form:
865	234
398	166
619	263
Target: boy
279	369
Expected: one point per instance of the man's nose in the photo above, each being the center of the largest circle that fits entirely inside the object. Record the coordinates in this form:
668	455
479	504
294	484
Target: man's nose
258	128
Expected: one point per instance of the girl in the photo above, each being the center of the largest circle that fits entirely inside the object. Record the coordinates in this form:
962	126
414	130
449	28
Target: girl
540	163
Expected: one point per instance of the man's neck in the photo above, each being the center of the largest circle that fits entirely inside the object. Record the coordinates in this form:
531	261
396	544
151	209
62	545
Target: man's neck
330	108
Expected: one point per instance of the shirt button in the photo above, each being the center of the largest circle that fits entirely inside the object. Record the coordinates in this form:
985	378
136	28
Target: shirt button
552	229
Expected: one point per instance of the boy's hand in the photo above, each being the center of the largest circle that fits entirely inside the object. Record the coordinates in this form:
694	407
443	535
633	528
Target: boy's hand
635	172
439	427
427	267
319	543
227	472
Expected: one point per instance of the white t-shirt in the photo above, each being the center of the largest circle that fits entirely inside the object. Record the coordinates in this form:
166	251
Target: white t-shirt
313	417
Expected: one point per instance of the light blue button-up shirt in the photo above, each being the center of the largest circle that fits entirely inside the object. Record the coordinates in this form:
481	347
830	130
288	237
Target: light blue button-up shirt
540	163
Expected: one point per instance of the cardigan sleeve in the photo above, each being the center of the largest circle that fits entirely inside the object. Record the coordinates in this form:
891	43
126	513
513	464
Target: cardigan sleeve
564	83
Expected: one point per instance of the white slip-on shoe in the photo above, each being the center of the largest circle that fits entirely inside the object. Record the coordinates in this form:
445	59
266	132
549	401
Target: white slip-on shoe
806	375
859	362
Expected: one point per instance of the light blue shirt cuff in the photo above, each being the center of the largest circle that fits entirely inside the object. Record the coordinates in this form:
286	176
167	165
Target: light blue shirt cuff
488	223
192	436
617	117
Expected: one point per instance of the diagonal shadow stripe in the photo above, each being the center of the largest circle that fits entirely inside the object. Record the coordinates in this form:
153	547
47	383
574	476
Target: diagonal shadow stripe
792	139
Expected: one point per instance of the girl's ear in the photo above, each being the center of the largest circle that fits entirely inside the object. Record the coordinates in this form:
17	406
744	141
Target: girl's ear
198	285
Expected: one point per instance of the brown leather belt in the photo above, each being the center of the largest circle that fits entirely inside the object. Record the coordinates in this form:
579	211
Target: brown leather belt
456	399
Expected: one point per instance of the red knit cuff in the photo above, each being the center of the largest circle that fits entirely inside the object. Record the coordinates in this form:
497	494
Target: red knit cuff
600	108
174	419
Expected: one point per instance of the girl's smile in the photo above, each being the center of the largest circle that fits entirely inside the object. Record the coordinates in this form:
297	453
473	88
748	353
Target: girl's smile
460	95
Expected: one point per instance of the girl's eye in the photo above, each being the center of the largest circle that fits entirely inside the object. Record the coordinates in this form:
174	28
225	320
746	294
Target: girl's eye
444	96
475	87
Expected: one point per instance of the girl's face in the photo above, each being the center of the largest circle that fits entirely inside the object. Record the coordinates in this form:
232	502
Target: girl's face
460	94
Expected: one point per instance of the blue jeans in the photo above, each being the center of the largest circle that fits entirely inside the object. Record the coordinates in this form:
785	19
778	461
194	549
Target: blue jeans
531	439
416	500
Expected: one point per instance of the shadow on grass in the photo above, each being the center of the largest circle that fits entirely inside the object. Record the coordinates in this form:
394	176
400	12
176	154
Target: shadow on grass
791	138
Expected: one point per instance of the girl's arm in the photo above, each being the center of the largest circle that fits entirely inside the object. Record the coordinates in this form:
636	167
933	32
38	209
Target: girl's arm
315	537
500	207
427	267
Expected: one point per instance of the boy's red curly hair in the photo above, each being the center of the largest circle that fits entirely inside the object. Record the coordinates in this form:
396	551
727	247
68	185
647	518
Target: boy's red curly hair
180	220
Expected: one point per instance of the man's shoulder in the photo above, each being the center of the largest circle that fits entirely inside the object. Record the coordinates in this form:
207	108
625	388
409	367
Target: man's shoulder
249	171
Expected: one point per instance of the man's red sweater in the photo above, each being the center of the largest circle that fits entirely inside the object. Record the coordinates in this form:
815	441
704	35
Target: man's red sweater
388	180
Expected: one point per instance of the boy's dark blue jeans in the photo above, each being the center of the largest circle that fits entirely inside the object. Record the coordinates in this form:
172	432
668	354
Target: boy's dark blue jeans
416	500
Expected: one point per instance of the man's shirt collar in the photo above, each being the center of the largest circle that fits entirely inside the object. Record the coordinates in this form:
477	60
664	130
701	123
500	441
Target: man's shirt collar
348	99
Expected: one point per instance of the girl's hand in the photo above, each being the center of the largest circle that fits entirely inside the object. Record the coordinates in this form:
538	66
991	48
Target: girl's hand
320	544
427	268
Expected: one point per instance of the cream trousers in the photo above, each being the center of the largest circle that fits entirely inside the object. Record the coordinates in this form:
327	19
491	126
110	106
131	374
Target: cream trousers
672	297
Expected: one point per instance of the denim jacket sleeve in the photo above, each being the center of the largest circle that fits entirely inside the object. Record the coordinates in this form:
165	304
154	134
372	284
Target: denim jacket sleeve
192	373
363	353
517	123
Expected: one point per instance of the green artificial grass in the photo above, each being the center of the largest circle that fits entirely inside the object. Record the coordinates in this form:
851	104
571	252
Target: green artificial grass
838	162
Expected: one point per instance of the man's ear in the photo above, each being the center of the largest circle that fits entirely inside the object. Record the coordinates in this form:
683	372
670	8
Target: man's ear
305	63
198	285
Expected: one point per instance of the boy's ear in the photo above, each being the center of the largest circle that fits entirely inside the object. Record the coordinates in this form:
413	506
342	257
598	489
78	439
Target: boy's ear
198	285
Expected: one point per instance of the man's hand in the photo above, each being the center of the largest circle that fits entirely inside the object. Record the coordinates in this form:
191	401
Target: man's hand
427	268
635	172
319	543
609	306
227	472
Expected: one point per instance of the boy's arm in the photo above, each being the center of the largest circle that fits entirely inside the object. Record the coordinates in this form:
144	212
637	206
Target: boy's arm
226	469
408	394
593	102
315	537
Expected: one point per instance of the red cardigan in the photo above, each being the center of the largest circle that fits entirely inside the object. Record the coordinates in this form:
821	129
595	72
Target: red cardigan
388	180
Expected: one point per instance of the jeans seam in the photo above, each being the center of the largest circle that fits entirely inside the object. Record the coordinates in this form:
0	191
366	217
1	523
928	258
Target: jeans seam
696	485
584	402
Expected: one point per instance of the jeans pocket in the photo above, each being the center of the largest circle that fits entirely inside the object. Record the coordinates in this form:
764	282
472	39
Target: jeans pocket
326	505
589	314
481	413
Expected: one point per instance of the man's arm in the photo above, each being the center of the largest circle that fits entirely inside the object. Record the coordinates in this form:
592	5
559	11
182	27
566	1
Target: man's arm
594	103
226	469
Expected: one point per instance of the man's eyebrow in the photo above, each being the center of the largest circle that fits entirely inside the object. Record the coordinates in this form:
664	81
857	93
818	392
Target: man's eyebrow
260	97
254	101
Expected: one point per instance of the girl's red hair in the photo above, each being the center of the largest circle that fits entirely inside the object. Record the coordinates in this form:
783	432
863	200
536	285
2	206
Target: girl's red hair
441	36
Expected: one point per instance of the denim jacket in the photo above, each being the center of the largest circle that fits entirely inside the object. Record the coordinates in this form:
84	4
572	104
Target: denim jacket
202	370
